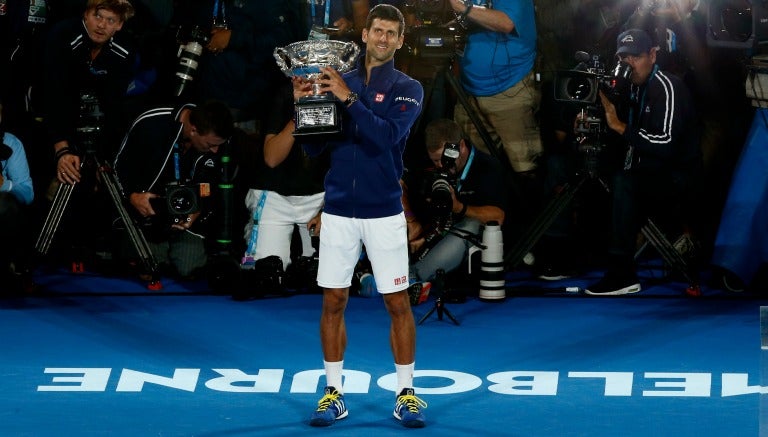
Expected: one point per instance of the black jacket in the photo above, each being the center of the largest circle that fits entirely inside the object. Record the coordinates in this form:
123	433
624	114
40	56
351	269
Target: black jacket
662	126
70	72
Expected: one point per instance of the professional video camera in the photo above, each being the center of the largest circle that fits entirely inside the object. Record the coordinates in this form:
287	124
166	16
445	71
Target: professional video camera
90	123
438	37
191	44
582	84
737	24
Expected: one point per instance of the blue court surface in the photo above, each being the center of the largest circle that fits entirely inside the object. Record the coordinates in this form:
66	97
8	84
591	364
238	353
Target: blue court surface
97	356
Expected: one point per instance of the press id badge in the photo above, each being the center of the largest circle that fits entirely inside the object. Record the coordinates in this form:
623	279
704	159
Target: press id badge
317	34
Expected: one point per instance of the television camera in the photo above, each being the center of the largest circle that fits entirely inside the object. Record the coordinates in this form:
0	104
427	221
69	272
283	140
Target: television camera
583	83
438	37
581	86
90	124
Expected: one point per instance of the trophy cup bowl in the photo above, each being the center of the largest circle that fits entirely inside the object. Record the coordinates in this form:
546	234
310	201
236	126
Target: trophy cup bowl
320	112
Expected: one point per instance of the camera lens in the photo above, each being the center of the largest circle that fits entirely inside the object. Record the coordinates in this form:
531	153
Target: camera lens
440	198
188	62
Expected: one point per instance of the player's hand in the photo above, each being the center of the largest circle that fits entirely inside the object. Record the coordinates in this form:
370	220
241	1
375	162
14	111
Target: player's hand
333	82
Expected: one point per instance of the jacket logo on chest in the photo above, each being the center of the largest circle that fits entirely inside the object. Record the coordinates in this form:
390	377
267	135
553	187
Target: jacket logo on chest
379	97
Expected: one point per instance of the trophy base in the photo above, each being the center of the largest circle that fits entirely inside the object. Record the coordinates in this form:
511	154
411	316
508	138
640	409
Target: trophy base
318	117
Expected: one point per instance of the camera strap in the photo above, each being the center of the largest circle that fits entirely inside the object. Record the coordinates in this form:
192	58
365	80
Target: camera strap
251	249
176	161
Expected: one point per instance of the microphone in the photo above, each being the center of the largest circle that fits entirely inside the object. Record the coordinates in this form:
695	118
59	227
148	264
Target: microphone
582	57
5	152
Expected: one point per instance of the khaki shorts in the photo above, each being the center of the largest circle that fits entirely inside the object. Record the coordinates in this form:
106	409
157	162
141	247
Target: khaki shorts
509	117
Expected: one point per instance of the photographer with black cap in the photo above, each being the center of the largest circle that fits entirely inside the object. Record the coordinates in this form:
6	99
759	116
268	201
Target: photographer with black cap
167	168
661	161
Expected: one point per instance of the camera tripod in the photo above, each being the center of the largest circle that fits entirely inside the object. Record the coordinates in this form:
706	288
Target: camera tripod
555	207
438	285
61	201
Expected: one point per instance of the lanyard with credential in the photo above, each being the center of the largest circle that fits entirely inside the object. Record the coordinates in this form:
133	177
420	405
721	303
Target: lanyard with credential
632	121
466	169
327	19
176	162
255	231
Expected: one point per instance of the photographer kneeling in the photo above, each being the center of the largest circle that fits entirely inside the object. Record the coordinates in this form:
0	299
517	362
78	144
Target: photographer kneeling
167	169
463	192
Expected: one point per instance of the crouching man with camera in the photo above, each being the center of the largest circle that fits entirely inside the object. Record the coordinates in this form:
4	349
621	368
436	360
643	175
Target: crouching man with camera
167	169
464	191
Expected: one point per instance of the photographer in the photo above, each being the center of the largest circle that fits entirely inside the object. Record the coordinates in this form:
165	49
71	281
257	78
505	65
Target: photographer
662	156
476	197
84	56
168	148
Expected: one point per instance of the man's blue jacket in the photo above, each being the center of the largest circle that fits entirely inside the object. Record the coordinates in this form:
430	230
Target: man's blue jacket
367	163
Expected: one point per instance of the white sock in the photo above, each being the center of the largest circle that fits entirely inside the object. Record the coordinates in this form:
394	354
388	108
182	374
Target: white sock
333	371
404	376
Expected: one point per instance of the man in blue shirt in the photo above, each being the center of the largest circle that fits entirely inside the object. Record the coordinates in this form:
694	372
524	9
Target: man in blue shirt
497	72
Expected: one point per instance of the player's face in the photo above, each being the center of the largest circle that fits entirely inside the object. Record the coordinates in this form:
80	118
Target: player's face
382	40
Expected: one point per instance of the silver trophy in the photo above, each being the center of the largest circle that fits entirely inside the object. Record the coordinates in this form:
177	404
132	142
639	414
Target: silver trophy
320	112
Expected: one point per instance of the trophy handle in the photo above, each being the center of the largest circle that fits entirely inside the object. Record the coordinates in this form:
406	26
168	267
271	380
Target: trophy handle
282	58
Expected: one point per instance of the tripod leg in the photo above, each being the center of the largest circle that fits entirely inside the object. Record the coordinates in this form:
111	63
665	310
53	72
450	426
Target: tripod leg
543	222
450	316
426	316
134	233
461	95
670	255
52	220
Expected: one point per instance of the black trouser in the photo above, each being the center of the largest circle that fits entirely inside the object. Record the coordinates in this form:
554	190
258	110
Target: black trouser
638	195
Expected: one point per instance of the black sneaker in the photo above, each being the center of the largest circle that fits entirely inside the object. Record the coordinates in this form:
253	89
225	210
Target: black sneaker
614	284
552	273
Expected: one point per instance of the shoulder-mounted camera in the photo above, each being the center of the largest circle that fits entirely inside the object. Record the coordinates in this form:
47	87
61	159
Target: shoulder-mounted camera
582	83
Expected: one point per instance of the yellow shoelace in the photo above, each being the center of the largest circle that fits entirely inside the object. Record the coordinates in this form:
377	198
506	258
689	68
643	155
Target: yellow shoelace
411	402
326	401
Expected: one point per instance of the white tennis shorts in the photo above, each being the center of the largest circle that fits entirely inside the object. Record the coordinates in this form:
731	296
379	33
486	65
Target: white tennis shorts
386	244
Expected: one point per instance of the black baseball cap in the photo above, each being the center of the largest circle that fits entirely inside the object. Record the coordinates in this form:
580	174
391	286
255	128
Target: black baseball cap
633	42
